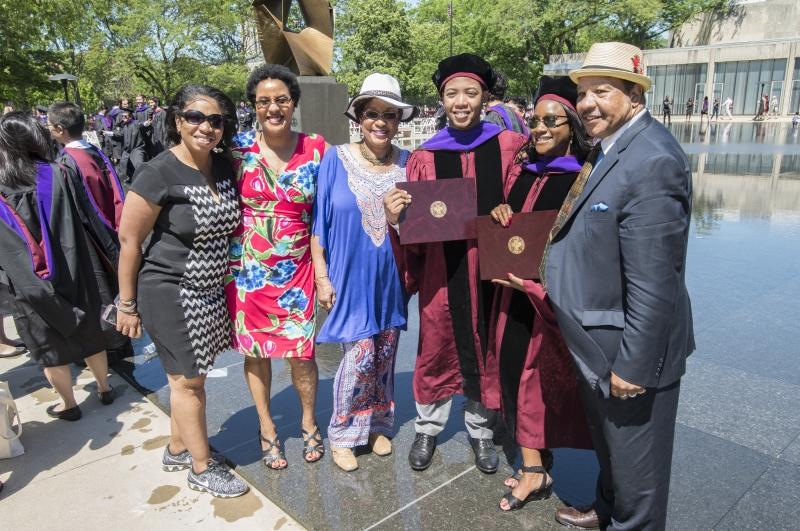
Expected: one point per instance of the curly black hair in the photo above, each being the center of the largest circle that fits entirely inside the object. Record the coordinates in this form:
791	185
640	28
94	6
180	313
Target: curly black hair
271	71
189	93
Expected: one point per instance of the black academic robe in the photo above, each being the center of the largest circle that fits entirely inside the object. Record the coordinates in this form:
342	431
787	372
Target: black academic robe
157	132
105	142
104	238
133	149
57	312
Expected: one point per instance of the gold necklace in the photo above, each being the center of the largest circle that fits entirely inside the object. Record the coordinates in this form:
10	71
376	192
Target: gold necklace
372	159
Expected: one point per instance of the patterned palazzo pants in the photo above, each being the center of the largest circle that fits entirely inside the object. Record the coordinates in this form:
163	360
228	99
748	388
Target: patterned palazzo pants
363	391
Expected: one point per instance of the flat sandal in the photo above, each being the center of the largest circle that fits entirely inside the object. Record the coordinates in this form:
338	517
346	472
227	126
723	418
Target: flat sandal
268	456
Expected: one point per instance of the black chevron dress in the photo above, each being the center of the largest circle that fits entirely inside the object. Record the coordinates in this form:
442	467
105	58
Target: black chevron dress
180	291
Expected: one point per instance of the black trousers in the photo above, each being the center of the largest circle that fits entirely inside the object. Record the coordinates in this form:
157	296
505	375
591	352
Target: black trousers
633	439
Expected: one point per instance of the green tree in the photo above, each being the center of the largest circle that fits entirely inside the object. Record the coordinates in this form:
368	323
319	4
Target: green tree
519	36
372	36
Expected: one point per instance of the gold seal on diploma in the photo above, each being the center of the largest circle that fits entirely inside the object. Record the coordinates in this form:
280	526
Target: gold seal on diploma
516	245
438	209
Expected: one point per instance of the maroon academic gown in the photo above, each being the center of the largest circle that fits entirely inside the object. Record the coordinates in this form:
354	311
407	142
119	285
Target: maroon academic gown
540	400
451	353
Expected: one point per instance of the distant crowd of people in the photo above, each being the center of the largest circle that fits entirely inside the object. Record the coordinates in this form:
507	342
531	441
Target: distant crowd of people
131	134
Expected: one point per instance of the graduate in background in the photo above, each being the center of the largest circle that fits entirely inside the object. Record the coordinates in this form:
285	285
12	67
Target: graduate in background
128	134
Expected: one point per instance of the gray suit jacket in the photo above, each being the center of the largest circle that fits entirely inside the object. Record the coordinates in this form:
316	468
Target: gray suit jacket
616	275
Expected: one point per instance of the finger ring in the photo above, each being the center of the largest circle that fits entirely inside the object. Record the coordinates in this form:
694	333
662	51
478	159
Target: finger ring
624	397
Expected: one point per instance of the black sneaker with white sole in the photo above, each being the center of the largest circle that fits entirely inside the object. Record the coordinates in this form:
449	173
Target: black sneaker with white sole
218	481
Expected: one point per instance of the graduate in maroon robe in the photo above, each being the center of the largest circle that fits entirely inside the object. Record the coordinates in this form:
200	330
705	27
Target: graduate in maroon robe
540	401
99	196
454	304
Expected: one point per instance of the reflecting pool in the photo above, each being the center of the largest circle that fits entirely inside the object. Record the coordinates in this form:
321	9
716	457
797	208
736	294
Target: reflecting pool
737	453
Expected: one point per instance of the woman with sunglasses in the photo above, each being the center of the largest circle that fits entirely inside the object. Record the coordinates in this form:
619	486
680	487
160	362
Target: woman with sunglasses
355	271
540	401
270	284
186	197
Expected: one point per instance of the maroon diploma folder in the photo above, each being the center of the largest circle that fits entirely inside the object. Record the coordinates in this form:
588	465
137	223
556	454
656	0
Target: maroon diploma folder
514	249
440	211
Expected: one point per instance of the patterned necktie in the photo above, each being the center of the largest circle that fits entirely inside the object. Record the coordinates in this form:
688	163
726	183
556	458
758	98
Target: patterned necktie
566	207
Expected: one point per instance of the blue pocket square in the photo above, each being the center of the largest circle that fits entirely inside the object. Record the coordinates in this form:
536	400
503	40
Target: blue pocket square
598	207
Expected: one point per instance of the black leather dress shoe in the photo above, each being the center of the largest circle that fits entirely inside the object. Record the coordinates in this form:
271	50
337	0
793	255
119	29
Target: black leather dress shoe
485	455
421	453
72	414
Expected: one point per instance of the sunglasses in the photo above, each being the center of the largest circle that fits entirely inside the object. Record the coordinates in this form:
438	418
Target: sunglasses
281	102
216	121
549	121
388	116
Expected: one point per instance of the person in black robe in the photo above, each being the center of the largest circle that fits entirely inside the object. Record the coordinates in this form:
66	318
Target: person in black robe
116	119
142	112
103	122
133	153
245	116
45	263
155	129
99	196
143	115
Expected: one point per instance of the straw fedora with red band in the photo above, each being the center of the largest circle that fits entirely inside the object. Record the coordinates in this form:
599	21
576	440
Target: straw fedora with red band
387	89
614	59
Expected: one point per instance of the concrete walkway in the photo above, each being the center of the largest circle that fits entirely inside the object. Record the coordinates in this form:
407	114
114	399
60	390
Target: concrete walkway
104	471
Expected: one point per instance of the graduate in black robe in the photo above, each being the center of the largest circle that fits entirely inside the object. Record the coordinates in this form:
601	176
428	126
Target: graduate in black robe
99	196
46	263
155	129
133	153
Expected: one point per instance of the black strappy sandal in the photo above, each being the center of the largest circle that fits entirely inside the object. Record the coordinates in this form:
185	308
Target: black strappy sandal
547	463
312	442
544	491
268	456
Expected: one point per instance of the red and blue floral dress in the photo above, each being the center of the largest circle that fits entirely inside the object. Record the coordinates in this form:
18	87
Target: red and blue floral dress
270	282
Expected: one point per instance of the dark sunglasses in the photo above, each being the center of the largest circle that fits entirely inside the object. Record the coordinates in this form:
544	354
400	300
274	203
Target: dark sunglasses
388	116
548	121
196	118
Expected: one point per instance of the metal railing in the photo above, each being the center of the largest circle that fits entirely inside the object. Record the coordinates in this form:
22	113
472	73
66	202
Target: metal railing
409	134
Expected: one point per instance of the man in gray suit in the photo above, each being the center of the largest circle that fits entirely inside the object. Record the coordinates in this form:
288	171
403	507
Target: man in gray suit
614	271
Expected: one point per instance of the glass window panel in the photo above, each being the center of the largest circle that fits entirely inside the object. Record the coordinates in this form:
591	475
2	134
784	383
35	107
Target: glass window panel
795	105
778	69
752	73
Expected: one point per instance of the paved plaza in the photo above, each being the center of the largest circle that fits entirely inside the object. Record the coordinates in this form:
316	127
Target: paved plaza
737	454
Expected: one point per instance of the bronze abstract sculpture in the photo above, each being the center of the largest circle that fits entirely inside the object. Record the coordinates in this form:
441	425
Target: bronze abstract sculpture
308	52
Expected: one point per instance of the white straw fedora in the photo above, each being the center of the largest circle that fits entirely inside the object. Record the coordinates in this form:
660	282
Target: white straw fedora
614	59
385	88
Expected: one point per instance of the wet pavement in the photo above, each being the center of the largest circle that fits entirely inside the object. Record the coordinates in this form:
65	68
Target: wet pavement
737	453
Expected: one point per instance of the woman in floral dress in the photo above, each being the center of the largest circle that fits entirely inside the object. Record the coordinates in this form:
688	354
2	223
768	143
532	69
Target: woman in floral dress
270	285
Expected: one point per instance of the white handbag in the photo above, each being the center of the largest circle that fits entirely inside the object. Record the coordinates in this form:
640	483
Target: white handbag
10	445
